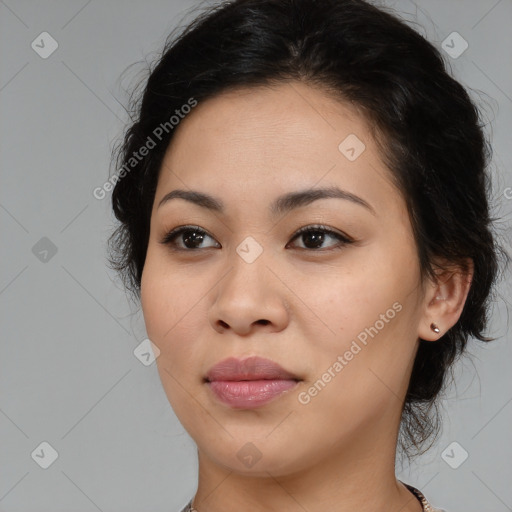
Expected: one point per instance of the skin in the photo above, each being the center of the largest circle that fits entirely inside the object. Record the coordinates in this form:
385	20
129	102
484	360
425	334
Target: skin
300	307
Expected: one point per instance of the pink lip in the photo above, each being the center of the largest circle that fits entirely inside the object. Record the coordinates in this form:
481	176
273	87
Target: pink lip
250	382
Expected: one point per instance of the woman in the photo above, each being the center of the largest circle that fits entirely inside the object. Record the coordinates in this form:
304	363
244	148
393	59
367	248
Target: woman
304	218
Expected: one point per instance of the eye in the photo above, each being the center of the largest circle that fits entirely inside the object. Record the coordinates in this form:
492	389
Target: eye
314	237
190	238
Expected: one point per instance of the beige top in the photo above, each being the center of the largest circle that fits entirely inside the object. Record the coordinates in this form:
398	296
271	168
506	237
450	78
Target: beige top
427	507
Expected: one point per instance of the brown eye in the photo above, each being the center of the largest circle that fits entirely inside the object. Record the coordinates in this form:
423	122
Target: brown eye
314	238
188	238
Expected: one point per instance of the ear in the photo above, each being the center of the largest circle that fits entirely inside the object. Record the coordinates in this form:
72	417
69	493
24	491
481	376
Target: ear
444	301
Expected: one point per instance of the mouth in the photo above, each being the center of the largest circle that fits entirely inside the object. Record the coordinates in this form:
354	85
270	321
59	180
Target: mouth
249	383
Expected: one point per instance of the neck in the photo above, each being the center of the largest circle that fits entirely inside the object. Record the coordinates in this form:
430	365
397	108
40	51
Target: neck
359	475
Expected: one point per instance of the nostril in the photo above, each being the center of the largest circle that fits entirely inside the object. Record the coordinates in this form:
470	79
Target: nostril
263	322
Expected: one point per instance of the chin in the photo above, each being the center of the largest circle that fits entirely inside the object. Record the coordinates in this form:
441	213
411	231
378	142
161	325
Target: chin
258	458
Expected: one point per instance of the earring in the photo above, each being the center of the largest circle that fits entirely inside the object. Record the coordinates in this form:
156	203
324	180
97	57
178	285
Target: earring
435	328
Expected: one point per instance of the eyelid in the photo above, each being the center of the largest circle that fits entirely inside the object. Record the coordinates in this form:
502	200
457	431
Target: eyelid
175	232
343	238
325	229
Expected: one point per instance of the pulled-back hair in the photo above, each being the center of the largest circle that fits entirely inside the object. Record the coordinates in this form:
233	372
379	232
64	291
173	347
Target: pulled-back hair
428	130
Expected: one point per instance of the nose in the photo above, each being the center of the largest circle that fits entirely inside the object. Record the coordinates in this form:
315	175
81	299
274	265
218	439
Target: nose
249	298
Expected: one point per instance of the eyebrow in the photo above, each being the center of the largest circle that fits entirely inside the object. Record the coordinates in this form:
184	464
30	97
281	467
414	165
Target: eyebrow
281	205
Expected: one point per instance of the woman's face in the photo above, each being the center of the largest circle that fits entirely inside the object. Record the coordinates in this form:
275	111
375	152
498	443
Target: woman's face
338	309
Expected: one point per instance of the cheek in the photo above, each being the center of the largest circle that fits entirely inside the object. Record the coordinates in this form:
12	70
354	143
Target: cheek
160	315
165	298
173	314
165	304
369	303
354	296
153	302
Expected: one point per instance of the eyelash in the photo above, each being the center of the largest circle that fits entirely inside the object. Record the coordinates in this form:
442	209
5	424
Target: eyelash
343	240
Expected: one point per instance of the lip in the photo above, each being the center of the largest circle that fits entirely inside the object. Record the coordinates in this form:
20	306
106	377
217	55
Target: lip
249	383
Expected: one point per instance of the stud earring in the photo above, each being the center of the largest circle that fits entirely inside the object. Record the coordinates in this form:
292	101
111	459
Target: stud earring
435	328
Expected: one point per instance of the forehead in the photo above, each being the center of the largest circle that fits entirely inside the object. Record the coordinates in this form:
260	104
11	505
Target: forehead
263	141
280	116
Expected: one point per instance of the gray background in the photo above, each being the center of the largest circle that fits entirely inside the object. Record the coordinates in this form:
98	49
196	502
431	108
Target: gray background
68	374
